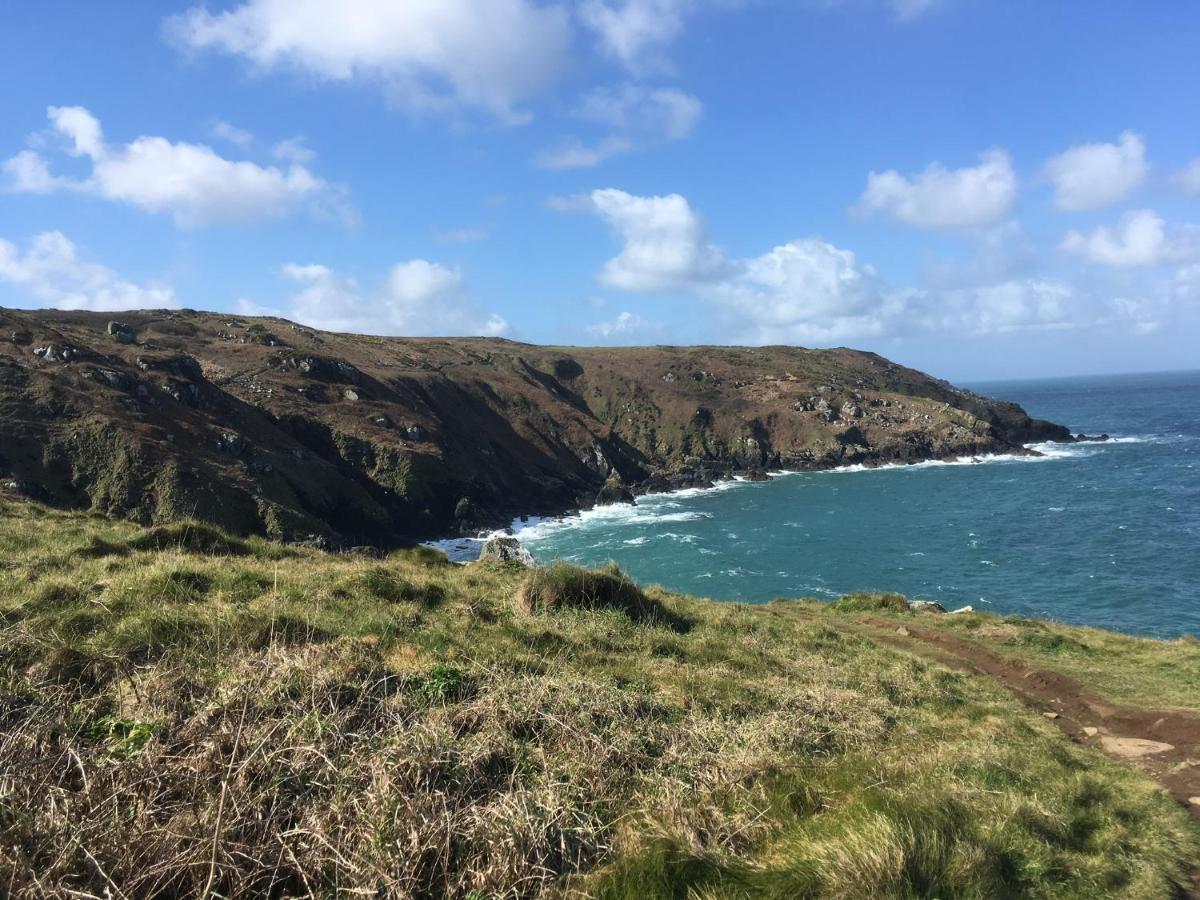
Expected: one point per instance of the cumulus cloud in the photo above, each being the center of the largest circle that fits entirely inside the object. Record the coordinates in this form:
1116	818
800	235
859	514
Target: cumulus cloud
1028	304
52	273
1141	239
418	297
634	32
665	243
1093	176
190	182
940	198
426	54
635	117
809	290
806	290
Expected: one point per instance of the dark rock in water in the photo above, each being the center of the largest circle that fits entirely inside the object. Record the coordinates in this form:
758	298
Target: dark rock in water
757	475
614	491
1090	439
507	549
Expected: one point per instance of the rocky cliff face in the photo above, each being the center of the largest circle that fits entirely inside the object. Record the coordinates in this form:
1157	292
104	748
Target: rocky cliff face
261	425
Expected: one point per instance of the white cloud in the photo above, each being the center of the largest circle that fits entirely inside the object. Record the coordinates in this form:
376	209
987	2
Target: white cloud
626	328
1029	304
53	274
27	173
295	150
634	32
1092	176
939	198
808	291
226	131
80	126
191	182
666	246
811	291
1141	239
636	118
418	298
1188	178
427	54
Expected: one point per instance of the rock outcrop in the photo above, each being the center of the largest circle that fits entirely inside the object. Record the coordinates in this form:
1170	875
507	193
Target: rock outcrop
502	548
263	425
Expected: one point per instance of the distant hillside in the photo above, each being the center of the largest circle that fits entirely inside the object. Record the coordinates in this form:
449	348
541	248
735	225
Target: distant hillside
265	426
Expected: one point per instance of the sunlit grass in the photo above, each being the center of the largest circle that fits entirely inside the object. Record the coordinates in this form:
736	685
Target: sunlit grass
187	712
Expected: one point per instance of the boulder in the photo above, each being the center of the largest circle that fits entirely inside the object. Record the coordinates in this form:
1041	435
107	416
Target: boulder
963	609
926	606
503	548
120	332
614	491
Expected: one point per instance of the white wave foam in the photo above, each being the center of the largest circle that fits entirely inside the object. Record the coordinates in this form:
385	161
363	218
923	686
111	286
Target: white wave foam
652	508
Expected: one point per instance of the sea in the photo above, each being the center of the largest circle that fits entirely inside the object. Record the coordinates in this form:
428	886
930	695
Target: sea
1104	534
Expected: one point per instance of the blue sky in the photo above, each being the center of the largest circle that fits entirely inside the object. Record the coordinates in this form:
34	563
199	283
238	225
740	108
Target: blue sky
978	188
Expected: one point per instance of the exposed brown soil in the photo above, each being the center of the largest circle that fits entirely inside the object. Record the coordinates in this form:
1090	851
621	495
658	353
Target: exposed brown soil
1163	743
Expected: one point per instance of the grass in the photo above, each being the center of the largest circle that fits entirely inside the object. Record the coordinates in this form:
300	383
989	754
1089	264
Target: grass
190	714
1120	667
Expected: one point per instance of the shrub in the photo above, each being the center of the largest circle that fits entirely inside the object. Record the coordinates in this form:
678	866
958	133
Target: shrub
191	537
562	586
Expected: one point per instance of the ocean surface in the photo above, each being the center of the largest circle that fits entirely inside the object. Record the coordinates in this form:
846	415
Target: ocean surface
1103	534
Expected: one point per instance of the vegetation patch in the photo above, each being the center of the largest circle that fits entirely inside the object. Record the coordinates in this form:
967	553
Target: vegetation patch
872	603
561	587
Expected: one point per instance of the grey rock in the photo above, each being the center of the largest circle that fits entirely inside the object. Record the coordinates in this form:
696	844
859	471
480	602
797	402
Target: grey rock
926	606
507	549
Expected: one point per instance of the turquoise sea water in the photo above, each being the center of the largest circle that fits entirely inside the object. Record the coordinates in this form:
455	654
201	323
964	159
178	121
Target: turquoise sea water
1101	534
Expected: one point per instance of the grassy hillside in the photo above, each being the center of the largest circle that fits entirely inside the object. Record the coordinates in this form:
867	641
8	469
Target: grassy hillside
188	714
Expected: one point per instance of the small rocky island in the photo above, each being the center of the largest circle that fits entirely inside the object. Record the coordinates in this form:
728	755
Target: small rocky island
265	426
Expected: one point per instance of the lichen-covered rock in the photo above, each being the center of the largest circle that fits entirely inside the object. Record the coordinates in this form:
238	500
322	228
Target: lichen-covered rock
502	548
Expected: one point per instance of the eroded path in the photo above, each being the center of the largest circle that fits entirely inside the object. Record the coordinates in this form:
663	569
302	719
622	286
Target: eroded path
1163	743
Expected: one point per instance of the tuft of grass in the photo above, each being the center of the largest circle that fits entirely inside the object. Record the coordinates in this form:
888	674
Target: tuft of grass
871	603
561	587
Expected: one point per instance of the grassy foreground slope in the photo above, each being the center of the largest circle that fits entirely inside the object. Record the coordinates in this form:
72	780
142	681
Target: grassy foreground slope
187	714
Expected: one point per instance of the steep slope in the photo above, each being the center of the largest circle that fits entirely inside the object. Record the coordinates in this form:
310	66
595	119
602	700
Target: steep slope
261	425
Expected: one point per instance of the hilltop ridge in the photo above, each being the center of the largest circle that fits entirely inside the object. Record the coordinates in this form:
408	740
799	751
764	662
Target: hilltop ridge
261	425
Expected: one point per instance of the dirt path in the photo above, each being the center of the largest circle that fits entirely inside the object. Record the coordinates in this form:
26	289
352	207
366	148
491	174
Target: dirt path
1164	744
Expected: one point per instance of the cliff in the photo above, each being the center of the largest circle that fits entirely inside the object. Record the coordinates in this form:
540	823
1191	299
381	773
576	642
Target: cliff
264	426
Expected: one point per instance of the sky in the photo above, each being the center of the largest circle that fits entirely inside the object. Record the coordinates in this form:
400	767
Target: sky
978	188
